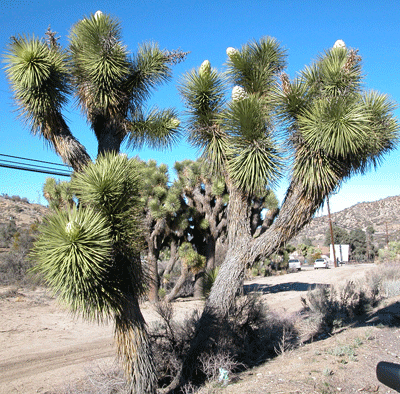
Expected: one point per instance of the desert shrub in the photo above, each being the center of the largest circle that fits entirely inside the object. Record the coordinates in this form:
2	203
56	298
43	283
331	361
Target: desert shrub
251	333
247	337
254	271
15	265
328	307
384	281
99	379
7	231
14	269
212	363
170	341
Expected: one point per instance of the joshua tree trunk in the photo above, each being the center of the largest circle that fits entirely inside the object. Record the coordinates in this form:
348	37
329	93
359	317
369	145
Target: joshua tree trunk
231	272
134	348
71	151
178	285
172	260
210	265
152	262
109	134
154	240
297	210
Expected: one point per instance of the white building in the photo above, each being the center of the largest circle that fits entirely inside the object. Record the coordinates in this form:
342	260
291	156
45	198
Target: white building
341	252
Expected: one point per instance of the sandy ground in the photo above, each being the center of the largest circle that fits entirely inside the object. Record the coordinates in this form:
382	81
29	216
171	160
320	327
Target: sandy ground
42	346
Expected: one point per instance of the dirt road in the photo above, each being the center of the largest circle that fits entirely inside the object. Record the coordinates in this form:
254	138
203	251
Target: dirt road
42	346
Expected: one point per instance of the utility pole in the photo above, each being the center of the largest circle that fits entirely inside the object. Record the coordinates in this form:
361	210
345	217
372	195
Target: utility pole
387	235
330	226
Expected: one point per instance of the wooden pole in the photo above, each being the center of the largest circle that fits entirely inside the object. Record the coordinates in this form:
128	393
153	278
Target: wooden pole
330	226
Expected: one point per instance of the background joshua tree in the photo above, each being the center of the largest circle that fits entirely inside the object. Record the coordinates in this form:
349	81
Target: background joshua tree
333	129
166	216
58	194
208	197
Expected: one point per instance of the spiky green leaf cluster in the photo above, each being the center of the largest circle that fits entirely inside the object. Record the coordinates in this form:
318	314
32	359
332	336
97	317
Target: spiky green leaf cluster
190	257
161	199
90	255
236	140
255	65
74	255
156	129
110	85
99	63
336	128
58	194
204	96
38	75
111	184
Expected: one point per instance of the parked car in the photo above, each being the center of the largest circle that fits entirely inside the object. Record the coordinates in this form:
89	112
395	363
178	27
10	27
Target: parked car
295	264
321	263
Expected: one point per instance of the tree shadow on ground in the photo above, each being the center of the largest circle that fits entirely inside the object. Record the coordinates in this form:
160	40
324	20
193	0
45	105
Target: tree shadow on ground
288	286
388	316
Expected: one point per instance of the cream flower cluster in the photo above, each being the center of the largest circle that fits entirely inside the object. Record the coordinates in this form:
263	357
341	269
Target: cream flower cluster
205	68
238	93
339	44
173	123
231	52
72	228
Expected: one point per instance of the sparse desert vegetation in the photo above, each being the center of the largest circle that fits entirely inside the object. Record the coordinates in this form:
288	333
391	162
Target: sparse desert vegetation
313	343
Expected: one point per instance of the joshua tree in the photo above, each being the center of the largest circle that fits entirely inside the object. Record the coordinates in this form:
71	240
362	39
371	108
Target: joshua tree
90	256
111	87
333	130
165	216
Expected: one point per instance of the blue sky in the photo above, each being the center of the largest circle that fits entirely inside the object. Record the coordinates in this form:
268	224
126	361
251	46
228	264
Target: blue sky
305	28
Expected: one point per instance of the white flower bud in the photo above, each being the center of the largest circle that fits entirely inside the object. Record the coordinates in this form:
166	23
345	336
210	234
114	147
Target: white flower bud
68	228
72	229
173	123
231	52
238	93
205	68
97	14
339	44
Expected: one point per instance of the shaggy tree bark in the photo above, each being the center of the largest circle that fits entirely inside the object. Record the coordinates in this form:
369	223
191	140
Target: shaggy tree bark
134	348
72	152
155	235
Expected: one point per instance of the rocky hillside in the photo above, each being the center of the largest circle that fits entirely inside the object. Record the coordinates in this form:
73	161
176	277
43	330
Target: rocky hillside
383	215
20	210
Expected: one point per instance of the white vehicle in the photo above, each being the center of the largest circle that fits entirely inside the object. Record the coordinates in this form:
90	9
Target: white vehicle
321	263
295	264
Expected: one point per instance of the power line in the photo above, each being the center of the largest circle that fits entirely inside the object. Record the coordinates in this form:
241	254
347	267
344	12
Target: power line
18	165
34	170
39	161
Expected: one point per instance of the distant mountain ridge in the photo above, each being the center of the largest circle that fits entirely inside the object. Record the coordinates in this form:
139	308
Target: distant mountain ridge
383	215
